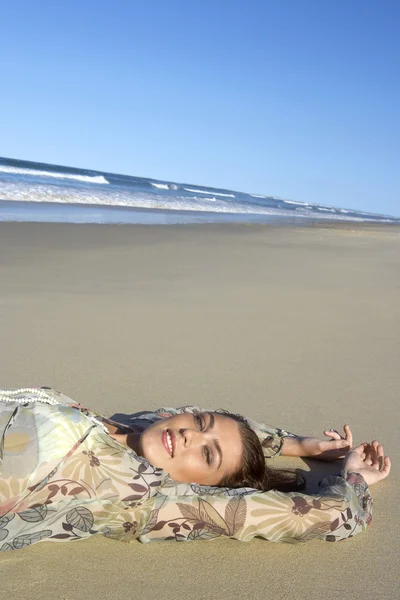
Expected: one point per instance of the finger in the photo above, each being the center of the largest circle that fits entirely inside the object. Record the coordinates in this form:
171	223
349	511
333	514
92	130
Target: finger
348	434
381	457
368	454
360	449
387	466
332	433
337	445
373	449
377	458
375	464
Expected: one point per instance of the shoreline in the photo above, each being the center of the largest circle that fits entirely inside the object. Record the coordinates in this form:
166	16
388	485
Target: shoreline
82	213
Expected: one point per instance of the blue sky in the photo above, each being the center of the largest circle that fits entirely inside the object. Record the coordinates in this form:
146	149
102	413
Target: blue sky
297	98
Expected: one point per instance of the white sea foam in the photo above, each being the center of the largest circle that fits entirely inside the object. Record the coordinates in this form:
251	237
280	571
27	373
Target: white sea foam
33	172
294	202
257	196
35	192
213	199
332	210
161	186
30	191
164	186
195	191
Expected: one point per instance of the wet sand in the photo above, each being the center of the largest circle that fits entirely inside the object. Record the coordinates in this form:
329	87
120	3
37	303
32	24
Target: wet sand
297	327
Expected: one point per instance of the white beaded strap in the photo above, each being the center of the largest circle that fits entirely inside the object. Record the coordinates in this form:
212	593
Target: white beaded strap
40	396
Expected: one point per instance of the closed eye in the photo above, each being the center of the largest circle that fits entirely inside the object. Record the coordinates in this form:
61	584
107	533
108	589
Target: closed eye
207	455
201	424
199	419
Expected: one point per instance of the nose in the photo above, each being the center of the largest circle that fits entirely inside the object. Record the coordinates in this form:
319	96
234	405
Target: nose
191	437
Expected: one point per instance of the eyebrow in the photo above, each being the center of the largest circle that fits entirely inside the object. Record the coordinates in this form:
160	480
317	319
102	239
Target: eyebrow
216	442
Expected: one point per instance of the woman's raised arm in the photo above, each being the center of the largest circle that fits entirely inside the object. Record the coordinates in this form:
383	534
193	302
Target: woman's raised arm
276	441
341	510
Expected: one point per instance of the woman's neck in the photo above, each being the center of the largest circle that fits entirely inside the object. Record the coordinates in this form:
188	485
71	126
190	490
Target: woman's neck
131	440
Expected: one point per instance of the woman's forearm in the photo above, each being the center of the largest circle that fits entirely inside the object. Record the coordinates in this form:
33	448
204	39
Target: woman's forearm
299	446
314	448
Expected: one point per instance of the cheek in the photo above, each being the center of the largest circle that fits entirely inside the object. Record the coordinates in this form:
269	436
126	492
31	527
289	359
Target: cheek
187	468
151	445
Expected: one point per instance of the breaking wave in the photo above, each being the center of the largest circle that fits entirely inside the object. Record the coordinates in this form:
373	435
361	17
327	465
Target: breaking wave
164	186
34	173
294	202
195	191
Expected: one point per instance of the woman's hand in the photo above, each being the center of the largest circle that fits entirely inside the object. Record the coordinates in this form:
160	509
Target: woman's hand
337	446
308	447
368	460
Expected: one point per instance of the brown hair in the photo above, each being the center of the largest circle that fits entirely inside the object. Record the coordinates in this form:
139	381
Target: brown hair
253	471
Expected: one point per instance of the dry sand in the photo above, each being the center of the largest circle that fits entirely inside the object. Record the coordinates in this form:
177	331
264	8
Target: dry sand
296	327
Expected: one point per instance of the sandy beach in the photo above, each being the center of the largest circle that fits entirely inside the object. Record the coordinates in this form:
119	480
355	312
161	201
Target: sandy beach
296	327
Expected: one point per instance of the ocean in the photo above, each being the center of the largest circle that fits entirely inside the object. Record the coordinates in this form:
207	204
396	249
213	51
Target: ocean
39	192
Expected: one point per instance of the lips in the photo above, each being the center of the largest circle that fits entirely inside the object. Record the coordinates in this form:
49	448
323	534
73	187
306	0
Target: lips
168	440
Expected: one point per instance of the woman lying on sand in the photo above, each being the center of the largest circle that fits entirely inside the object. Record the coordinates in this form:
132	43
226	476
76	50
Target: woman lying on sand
67	473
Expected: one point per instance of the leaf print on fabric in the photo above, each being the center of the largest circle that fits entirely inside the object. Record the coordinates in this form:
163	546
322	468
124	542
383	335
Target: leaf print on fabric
209	490
202	534
315	531
360	488
34	514
211	516
136	487
81	518
6	519
195	534
301	506
38	486
22	541
152	522
204	489
235	514
130	527
6	548
334	524
206	514
189	512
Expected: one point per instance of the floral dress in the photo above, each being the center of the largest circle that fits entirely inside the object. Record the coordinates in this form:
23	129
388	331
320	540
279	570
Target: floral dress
64	478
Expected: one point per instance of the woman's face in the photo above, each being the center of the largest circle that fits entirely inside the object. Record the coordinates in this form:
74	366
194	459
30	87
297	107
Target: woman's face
200	448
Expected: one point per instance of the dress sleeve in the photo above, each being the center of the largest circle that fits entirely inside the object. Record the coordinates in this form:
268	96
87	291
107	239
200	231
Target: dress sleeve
63	478
271	438
340	510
